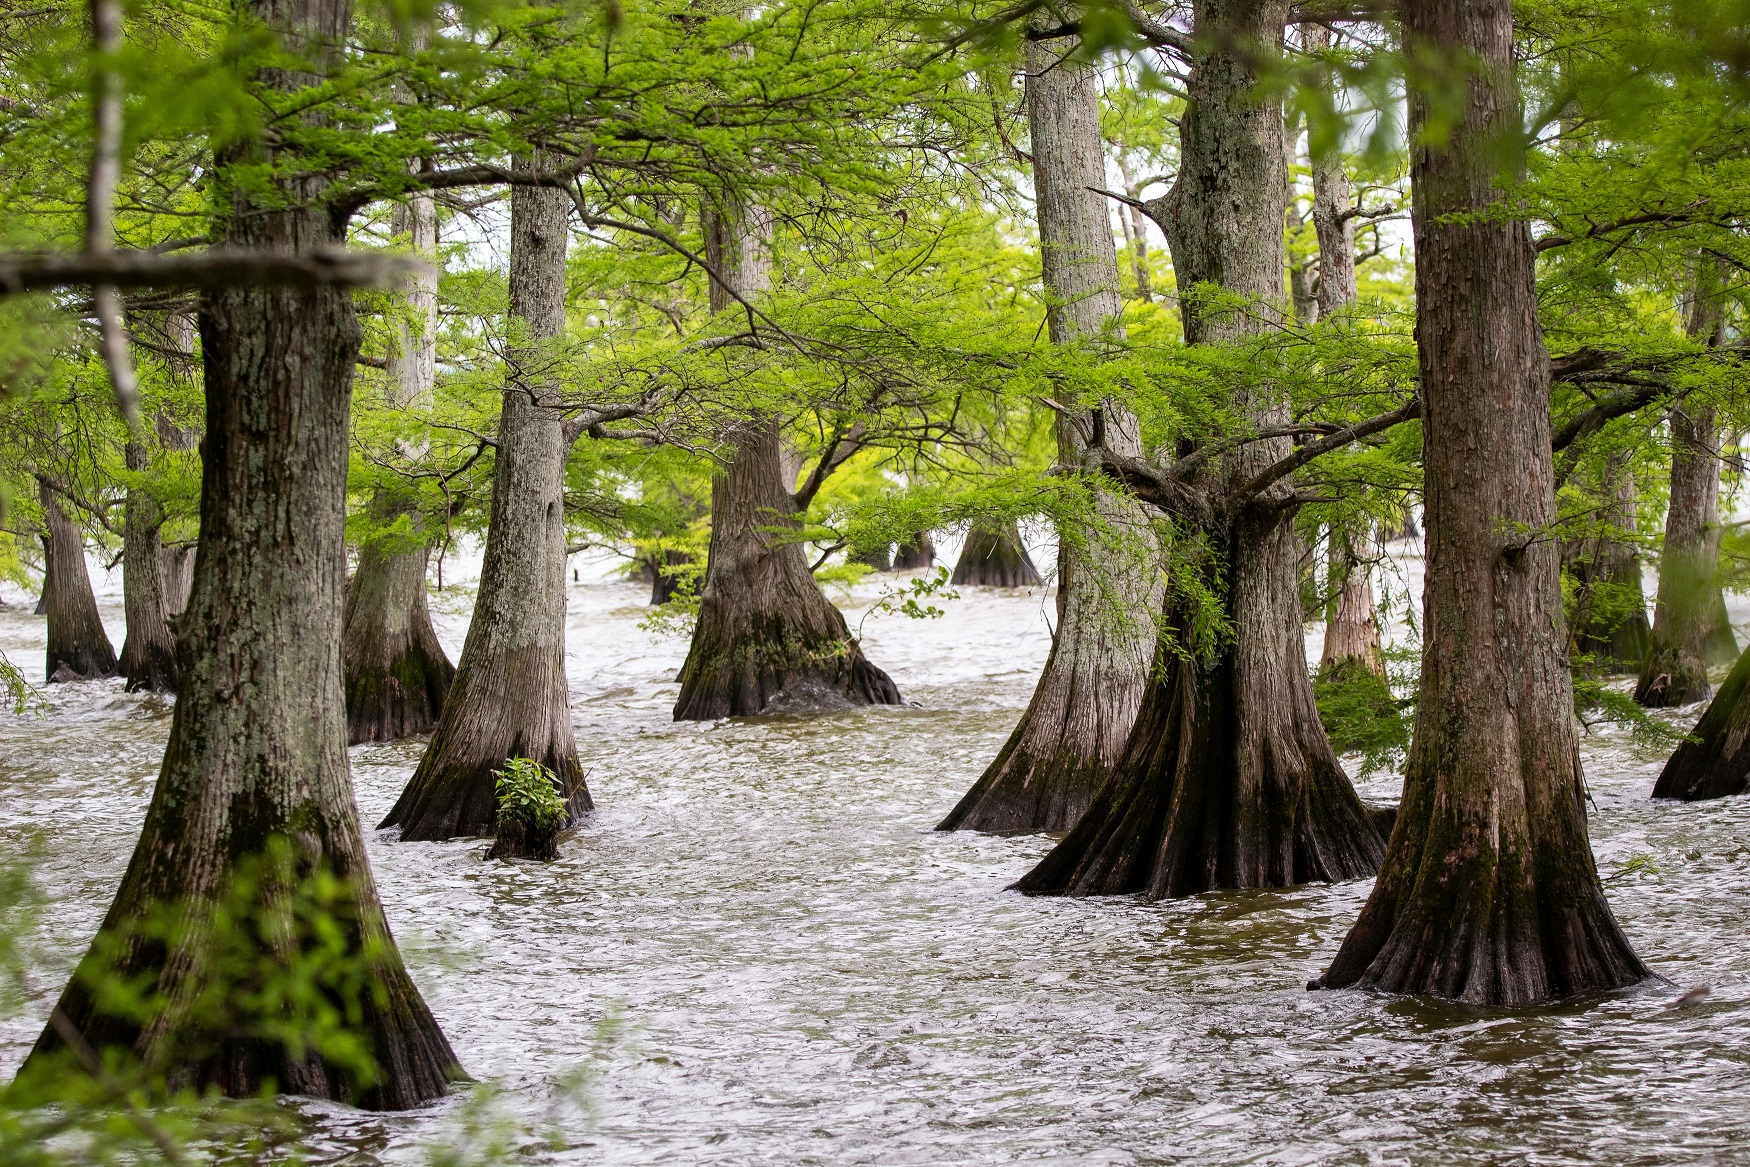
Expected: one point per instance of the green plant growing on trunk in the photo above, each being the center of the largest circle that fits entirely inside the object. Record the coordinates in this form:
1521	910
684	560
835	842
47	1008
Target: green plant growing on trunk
531	811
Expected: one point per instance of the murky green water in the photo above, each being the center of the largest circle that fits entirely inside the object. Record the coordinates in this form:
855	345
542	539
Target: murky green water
757	952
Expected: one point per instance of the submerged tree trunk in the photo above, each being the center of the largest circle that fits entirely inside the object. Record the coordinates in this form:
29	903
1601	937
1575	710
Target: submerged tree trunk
1489	893
257	748
1108	580
767	639
917	552
148	658
993	556
1714	761
1228	779
665	583
509	698
1675	671
1609	623
396	670
79	648
879	558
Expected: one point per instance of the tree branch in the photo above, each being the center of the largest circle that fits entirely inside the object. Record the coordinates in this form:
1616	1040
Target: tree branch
844	444
214	268
1300	457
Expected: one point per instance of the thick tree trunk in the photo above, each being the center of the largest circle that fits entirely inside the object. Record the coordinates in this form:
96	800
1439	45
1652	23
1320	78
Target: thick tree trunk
767	639
1675	671
1228	779
915	553
148	658
396	670
1489	892
257	748
1352	633
1714	761
1109	586
177	568
993	556
509	697
1330	208
665	584
79	648
879	558
1609	623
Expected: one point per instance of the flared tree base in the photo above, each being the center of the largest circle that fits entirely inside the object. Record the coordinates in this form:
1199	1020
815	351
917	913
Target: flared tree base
995	557
398	700
150	666
1022	794
1714	762
782	662
1670	678
515	841
454	792
1198	803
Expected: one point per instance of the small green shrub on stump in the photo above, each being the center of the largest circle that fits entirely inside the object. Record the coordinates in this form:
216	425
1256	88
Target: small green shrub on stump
531	812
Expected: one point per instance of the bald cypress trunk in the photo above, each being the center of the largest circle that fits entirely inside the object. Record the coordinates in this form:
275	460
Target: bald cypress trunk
396	670
993	556
78	647
1066	742
1714	761
1227	779
1675	671
1352	634
1609	626
148	659
257	748
915	553
1488	893
767	639
509	698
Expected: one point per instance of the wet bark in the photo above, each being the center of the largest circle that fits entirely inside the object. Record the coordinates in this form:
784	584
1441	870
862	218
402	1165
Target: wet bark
915	553
1228	779
78	647
509	697
1489	893
993	556
148	659
767	639
1684	615
257	747
397	673
1714	762
1609	623
1109	587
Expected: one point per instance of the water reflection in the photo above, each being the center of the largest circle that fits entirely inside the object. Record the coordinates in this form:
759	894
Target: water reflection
759	953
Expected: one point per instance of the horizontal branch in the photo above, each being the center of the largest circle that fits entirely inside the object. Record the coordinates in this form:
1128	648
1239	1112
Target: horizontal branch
1304	454
211	269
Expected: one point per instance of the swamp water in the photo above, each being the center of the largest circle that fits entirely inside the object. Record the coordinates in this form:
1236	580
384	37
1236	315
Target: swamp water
757	952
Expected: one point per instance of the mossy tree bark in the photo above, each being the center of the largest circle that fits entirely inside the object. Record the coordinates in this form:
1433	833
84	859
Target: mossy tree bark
1109	588
1609	623
1675	670
1489	893
509	697
257	747
78	647
1714	762
767	640
993	556
396	670
148	659
1227	779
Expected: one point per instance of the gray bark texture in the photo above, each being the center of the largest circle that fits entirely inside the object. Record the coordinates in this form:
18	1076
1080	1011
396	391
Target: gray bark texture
1109	584
1675	672
767	639
1714	760
78	647
148	659
1352	633
1227	779
397	673
257	748
917	552
509	697
1489	893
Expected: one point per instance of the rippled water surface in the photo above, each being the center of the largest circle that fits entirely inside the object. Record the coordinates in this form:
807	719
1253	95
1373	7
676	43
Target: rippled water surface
757	951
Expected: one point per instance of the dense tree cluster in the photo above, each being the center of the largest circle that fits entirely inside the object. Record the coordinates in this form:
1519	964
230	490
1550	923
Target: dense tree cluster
303	296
